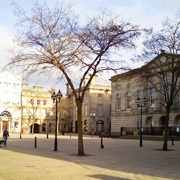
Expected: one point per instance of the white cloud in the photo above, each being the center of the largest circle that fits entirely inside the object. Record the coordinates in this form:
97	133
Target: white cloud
5	44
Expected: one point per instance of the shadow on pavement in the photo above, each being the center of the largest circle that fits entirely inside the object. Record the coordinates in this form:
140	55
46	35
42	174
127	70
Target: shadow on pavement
118	155
106	177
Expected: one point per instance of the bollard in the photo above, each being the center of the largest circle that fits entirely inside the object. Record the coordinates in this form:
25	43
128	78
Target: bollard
47	135
70	134
172	140
35	142
102	146
20	136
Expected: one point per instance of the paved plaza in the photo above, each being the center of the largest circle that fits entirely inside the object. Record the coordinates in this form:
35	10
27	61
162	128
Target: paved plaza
120	159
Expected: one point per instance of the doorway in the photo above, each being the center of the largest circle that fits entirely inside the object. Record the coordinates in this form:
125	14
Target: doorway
36	128
5	125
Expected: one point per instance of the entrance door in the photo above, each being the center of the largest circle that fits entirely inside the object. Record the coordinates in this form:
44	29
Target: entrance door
36	128
5	125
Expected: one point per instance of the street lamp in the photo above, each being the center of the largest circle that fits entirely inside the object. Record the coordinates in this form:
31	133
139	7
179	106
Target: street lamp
56	97
93	115
141	103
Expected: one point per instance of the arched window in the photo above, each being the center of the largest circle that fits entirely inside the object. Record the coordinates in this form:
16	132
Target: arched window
50	127
162	121
44	127
85	126
100	126
177	120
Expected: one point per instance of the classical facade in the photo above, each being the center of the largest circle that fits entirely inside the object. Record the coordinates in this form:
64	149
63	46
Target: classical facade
127	88
31	109
37	110
96	108
10	102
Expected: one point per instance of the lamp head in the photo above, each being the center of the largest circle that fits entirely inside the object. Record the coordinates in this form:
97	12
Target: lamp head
53	96
59	95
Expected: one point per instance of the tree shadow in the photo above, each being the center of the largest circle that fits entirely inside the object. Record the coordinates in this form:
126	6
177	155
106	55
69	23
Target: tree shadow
118	155
106	177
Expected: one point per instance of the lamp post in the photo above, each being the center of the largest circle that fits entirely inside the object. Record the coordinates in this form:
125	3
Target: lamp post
141	103
93	115
56	97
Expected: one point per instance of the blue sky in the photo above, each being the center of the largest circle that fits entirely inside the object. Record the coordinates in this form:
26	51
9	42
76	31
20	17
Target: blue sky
147	13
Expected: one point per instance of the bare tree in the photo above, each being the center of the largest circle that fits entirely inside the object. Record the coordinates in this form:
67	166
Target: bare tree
50	39
163	72
32	111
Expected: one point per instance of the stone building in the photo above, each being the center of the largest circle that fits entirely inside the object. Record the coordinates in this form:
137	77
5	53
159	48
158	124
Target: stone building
10	102
96	108
126	113
36	110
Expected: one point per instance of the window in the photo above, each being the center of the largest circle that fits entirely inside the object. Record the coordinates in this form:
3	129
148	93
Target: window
44	127
24	101
100	110
6	85
25	111
50	127
32	111
85	109
16	125
15	86
44	102
128	96
45	112
118	102
85	126
38	102
32	101
71	112
140	94
38	112
153	97
140	97
100	96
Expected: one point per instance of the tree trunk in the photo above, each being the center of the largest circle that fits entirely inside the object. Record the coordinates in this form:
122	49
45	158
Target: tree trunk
33	127
165	143
80	132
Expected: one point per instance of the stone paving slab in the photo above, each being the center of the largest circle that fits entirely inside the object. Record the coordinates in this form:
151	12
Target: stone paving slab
119	160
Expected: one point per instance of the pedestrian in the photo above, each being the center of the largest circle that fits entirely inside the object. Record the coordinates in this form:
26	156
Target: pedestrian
5	136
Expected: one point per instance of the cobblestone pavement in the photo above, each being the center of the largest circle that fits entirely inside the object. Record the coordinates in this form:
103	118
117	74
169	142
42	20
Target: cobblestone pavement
120	159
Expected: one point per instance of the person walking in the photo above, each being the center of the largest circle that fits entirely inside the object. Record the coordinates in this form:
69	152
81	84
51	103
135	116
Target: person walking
5	136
